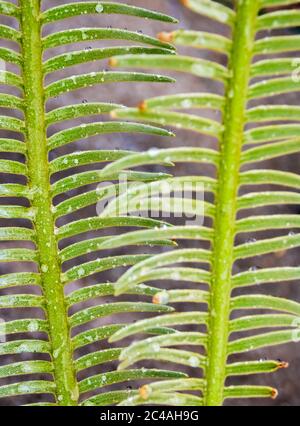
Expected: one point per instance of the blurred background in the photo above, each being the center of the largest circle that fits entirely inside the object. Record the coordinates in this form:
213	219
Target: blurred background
287	381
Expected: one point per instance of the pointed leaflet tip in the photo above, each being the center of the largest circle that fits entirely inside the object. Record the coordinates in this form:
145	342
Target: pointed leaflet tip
274	393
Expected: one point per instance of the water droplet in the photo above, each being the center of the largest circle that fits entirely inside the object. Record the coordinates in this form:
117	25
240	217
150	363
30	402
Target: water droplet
33	326
56	353
162	298
175	276
156	347
194	361
80	272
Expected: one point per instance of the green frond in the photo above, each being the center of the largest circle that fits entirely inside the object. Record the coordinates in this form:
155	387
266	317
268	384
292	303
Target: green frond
52	183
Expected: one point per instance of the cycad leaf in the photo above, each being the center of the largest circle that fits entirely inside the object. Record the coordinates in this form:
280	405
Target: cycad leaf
248	81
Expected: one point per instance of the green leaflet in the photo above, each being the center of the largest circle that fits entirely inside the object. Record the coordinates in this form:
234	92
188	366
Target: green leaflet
105	379
61	247
88	80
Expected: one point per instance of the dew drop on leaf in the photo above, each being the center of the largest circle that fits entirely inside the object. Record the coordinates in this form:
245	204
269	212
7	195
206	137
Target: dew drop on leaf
175	276
80	272
186	104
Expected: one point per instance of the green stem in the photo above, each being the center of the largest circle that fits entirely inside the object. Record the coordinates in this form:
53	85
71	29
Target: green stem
38	170
226	202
